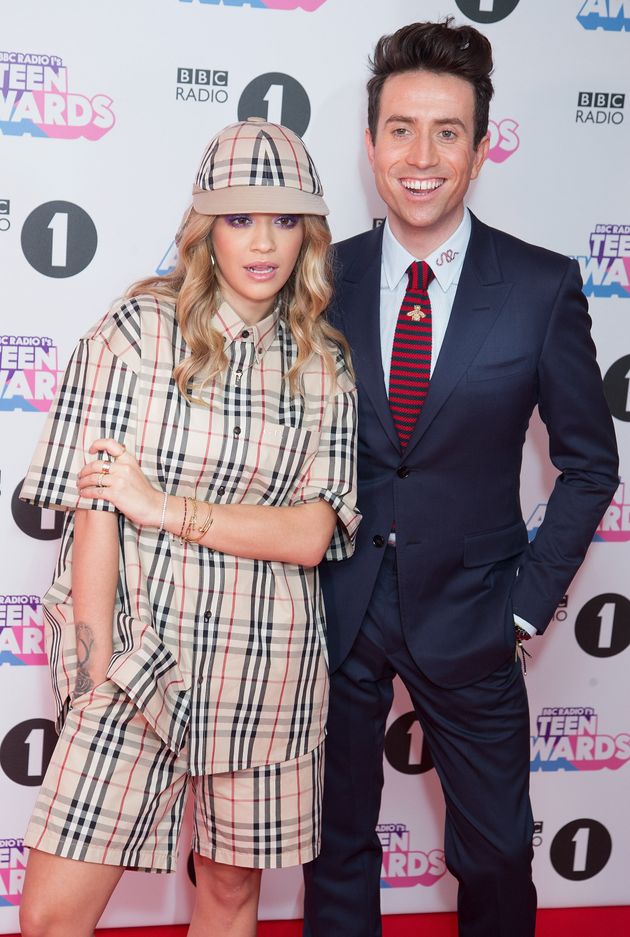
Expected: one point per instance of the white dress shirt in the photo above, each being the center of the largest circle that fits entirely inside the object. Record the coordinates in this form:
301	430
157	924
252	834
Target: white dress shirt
395	260
446	262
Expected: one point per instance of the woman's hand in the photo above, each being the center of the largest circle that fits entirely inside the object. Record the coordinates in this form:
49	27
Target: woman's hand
122	482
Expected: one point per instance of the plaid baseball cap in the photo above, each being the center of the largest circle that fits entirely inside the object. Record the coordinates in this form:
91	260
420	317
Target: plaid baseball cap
255	166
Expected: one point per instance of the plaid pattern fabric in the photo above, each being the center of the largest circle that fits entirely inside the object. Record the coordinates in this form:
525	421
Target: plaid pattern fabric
225	650
411	352
114	794
256	153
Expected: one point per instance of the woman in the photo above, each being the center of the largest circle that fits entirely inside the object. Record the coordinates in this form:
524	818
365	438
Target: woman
210	420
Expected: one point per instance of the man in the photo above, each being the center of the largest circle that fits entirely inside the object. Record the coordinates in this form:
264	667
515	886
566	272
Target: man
443	586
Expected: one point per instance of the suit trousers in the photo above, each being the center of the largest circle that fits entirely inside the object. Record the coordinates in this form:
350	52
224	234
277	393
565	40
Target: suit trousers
478	736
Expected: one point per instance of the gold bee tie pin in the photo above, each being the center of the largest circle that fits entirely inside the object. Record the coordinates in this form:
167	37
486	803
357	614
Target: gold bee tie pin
416	314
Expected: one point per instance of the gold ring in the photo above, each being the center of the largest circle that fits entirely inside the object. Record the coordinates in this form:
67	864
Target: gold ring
101	476
105	468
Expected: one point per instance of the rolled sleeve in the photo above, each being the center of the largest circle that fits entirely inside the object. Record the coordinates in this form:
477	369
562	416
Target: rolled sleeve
96	399
332	473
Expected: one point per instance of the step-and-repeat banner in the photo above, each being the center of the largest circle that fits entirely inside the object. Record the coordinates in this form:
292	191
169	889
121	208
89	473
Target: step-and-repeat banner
105	108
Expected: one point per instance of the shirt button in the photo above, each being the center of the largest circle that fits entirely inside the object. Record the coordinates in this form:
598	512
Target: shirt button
378	541
260	350
237	430
206	617
199	681
221	490
403	472
245	333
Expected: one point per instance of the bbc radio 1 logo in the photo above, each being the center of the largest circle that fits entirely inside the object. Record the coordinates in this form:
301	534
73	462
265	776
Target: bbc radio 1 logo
26	750
13	858
28	372
307	5
35	521
487	11
611	15
602	626
404	866
617	388
600	107
59	239
202	85
22	631
504	140
278	98
569	739
406	748
35	100
606	272
580	849
614	526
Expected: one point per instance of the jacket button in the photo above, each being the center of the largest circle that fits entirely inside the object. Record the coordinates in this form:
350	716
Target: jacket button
378	541
403	472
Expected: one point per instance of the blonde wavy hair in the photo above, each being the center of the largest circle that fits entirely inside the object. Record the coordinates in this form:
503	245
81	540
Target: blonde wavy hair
194	289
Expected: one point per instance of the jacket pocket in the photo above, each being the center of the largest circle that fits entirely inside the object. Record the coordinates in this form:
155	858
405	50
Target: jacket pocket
498	369
495	545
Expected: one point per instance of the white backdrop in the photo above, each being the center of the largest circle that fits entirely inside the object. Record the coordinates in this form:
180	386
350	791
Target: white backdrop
105	108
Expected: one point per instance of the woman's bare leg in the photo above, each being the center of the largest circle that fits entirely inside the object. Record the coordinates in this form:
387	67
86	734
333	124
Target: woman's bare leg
226	901
64	897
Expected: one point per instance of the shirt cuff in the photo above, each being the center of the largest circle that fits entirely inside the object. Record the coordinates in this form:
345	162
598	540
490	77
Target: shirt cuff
525	625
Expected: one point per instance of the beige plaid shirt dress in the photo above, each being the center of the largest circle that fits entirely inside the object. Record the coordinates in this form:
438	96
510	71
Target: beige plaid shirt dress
224	654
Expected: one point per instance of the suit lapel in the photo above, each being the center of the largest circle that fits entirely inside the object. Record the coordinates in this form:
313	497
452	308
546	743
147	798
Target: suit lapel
359	309
480	296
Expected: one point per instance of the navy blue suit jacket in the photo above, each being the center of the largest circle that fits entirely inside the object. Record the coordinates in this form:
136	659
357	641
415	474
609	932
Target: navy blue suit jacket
518	335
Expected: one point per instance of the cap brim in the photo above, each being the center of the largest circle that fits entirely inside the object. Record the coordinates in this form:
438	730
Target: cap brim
270	199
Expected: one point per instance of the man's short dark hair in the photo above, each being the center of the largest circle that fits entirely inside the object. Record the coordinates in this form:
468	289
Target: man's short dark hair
435	47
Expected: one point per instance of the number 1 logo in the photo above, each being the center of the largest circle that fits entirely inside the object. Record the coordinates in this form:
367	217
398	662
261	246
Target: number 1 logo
59	239
278	98
26	750
602	627
580	849
487	11
617	388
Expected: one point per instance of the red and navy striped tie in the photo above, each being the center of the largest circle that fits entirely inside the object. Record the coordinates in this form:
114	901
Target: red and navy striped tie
411	352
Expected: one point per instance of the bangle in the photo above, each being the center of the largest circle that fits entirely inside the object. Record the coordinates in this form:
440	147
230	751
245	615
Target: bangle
183	527
163	516
207	524
204	528
192	522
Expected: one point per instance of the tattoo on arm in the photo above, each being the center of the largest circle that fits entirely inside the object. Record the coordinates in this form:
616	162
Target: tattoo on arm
85	645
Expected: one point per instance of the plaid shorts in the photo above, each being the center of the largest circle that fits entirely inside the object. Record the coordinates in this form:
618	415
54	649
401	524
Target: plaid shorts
114	794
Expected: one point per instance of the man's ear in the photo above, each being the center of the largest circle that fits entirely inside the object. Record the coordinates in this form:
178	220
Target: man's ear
481	154
369	146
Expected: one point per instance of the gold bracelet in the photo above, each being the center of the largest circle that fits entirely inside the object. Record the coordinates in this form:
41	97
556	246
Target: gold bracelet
192	522
183	527
205	527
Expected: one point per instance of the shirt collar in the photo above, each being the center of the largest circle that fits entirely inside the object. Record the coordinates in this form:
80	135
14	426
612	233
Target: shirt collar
445	261
231	326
